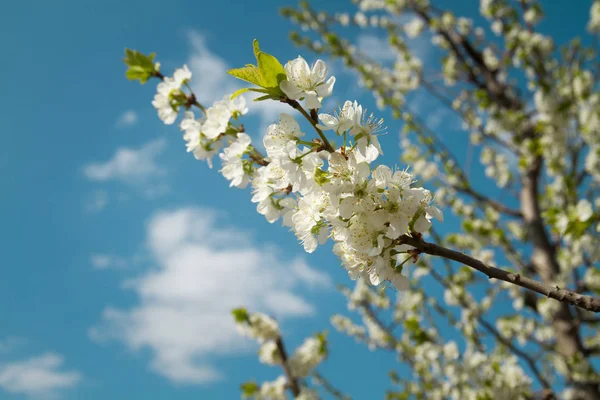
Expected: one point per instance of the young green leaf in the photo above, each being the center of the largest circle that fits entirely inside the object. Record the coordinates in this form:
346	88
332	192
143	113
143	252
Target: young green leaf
140	66
249	73
249	389
267	74
240	314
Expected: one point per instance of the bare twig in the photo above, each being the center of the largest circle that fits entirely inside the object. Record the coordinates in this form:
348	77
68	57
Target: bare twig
292	381
586	302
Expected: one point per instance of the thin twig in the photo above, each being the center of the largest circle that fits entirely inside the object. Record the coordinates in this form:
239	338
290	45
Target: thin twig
292	381
586	302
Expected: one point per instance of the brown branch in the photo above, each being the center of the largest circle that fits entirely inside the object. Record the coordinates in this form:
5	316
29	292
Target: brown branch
491	202
592	350
586	302
313	119
325	384
492	330
292	381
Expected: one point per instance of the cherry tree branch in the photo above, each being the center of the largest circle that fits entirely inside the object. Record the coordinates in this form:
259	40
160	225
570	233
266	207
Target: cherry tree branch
313	119
292	381
325	384
494	332
586	302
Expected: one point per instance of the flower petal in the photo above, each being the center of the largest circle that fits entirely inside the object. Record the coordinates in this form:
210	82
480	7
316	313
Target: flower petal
290	89
325	89
319	71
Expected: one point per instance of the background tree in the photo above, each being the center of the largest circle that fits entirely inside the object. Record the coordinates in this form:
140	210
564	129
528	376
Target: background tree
530	113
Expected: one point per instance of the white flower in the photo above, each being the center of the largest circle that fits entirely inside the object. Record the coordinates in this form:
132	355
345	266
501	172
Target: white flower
584	210
236	169
219	114
164	100
341	121
274	390
281	138
305	83
313	174
451	351
196	142
269	353
307	394
259	326
414	27
594	24
307	222
267	182
365	128
307	357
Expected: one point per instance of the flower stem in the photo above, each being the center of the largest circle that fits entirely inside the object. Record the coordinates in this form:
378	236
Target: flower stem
313	121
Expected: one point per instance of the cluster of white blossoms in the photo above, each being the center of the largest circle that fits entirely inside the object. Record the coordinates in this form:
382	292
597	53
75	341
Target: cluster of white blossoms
321	192
169	95
204	136
257	326
300	364
441	368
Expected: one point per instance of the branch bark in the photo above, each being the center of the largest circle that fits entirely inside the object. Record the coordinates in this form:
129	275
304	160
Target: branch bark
292	381
586	302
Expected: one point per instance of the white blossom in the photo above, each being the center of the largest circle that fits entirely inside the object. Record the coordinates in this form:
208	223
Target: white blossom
165	100
260	327
307	357
269	353
303	82
235	168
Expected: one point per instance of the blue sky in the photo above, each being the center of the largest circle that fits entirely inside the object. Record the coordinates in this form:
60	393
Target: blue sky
122	254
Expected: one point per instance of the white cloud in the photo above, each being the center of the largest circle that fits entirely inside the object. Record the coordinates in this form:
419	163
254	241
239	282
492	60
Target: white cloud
96	202
128	118
435	114
38	377
204	270
138	167
108	261
130	165
210	82
375	47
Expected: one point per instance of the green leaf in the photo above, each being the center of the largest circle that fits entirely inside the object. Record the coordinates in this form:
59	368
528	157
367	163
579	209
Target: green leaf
249	389
240	314
244	90
256	48
394	377
322	338
238	92
135	73
249	73
271	70
267	74
411	324
140	66
265	97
